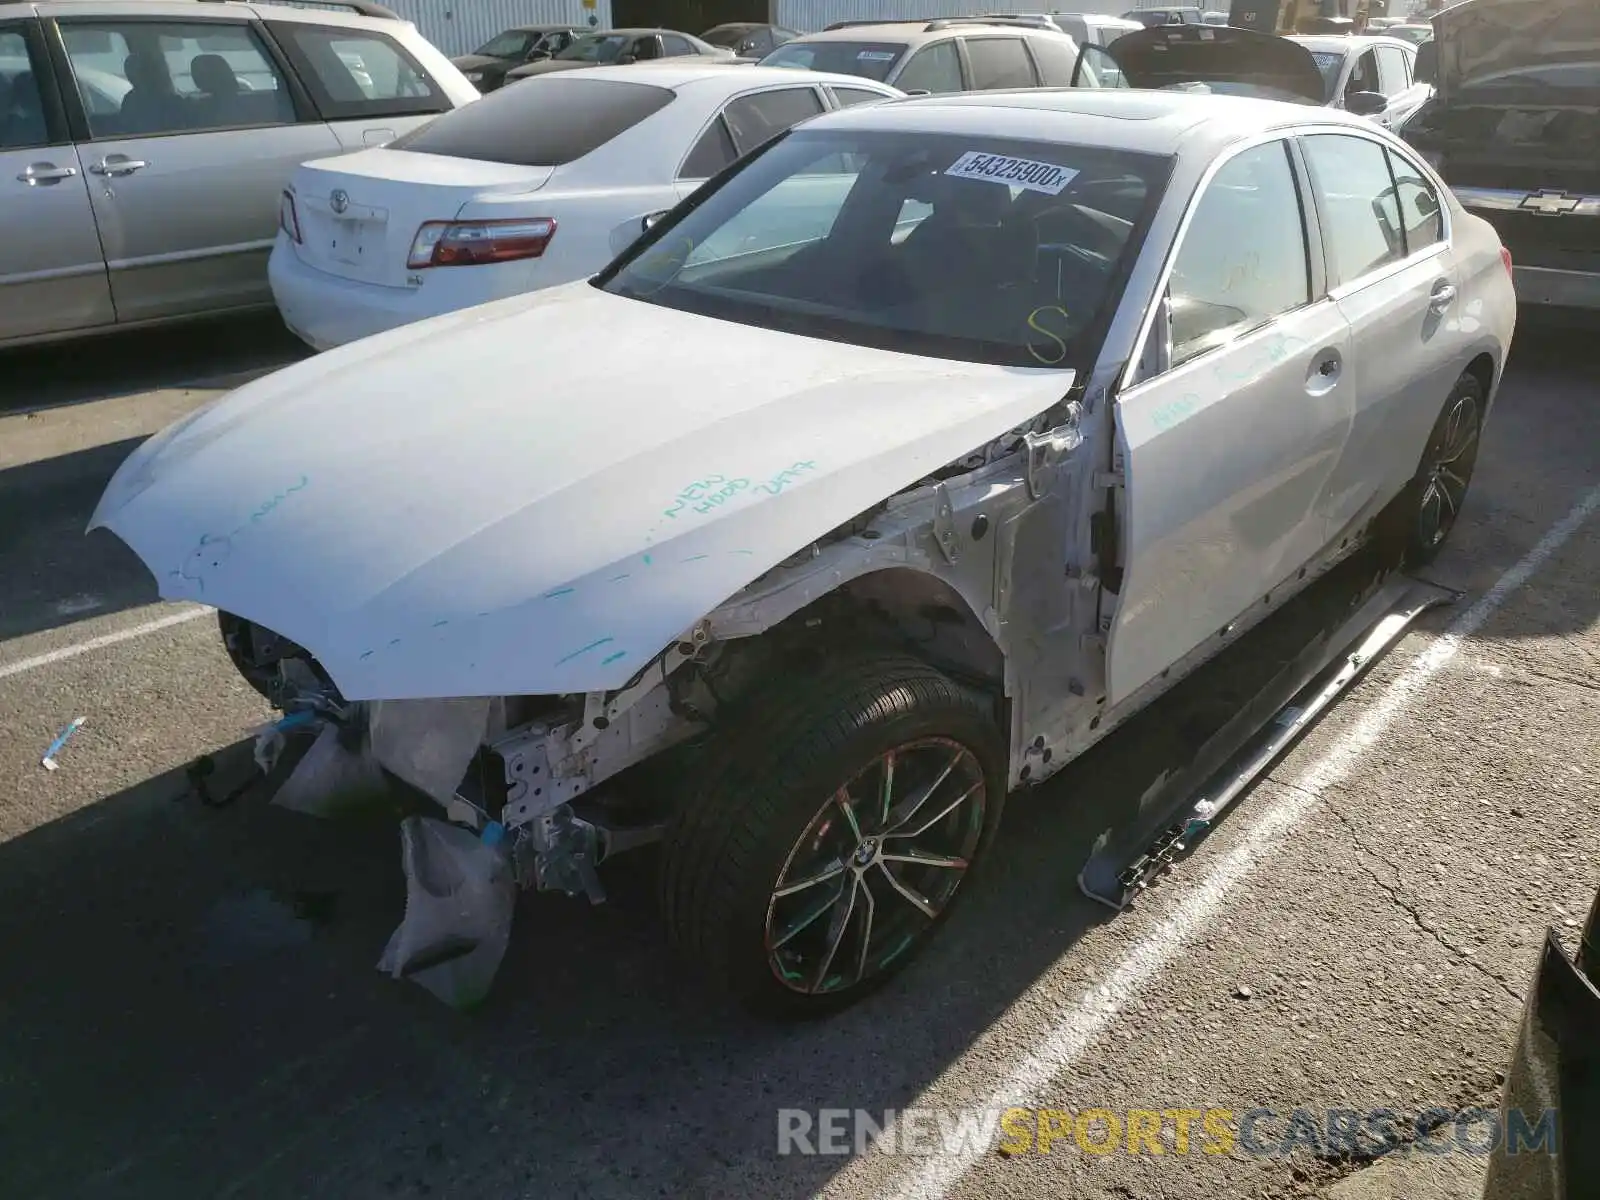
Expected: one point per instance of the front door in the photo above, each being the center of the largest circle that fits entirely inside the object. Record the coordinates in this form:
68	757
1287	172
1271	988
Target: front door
192	133
52	271
1228	440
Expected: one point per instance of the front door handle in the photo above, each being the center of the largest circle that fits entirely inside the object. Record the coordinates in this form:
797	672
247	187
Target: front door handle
1444	295
118	164
45	172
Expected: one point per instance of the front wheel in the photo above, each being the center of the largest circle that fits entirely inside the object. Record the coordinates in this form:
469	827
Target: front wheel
831	833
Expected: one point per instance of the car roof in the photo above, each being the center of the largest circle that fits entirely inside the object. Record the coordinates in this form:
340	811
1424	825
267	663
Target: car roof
916	32
673	73
555	27
1150	122
639	31
1324	43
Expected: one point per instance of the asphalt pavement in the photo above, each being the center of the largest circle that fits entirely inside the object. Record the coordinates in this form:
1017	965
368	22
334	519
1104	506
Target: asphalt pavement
191	1006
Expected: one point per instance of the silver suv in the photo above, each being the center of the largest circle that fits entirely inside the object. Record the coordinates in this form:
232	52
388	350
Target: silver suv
144	148
951	54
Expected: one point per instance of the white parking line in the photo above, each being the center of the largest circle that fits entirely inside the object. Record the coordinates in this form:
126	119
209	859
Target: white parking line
63	653
1093	1013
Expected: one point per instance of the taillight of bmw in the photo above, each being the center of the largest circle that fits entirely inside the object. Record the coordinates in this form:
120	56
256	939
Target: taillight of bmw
477	243
1505	257
288	218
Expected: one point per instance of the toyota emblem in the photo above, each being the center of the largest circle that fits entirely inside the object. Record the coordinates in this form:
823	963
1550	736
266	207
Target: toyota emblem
339	200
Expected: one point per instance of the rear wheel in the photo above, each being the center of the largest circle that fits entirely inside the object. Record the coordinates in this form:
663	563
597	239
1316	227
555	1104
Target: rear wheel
1445	473
1416	524
831	833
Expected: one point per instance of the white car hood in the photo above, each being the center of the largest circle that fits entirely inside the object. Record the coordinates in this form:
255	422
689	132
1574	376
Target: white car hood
536	496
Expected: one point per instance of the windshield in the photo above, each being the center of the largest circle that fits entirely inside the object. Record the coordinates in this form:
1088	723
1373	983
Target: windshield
871	60
508	45
595	48
1330	63
973	248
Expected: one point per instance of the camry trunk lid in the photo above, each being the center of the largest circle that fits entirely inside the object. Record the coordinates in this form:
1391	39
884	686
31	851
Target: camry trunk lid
359	213
550	520
1172	55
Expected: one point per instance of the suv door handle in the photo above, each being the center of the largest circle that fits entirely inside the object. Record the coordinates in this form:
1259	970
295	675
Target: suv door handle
117	164
44	172
1444	295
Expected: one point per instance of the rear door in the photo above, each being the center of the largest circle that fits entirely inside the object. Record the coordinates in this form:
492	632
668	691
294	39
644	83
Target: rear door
742	124
1235	421
363	82
1393	276
189	128
934	69
799	209
52	270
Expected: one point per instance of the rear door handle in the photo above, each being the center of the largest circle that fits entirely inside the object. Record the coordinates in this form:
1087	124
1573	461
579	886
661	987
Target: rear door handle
118	165
1444	295
1324	372
44	172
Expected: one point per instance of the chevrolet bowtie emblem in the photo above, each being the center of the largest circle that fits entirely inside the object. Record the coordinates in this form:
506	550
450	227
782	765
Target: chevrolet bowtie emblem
339	200
1551	204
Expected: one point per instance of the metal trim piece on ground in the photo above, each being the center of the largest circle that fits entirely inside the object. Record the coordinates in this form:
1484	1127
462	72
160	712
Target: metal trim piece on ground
1190	803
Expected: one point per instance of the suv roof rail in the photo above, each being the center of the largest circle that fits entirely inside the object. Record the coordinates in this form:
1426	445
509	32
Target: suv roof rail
1030	20
876	21
364	8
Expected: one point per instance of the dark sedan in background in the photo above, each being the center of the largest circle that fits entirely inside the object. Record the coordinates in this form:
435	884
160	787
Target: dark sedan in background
748	39
619	47
486	67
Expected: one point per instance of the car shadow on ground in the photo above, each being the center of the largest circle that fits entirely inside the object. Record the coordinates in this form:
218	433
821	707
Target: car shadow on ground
54	574
118	364
197	986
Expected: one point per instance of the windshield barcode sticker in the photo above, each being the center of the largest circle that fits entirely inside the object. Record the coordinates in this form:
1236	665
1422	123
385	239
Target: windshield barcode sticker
1014	172
876	56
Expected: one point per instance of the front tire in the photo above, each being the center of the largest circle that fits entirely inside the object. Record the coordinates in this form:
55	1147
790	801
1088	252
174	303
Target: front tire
831	832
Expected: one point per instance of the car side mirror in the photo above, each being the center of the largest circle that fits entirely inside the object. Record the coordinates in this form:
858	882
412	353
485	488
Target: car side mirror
649	220
1426	69
1366	104
537	55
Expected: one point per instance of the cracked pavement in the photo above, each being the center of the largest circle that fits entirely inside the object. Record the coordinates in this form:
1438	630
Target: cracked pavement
172	1027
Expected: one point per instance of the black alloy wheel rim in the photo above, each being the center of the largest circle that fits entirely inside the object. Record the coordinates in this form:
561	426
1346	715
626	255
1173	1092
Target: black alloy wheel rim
1447	472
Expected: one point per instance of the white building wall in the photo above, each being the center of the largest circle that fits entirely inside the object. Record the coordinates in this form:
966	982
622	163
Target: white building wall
461	26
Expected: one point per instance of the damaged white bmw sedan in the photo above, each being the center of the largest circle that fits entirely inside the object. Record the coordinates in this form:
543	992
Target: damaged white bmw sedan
882	477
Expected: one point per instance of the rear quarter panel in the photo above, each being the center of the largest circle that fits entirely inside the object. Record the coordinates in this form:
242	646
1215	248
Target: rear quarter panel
1487	315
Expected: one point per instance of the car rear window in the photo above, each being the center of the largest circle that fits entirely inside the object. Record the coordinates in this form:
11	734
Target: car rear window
540	122
870	60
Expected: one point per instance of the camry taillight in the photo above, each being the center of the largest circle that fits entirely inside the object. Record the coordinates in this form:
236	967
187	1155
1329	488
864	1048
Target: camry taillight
473	243
288	218
1505	257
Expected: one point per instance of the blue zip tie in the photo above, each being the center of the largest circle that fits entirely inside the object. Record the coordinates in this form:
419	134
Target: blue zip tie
48	762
